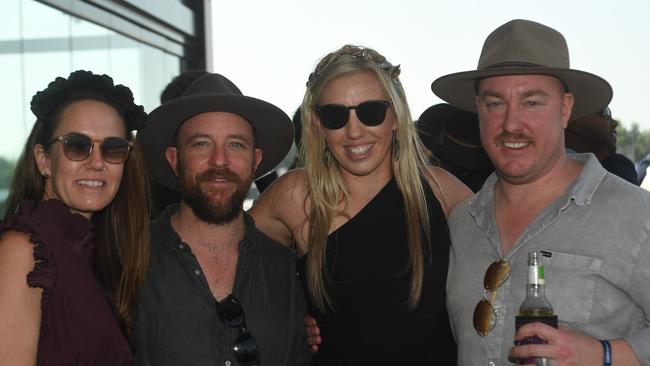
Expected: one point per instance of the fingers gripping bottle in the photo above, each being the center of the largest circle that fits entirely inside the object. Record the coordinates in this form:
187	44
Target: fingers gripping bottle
535	308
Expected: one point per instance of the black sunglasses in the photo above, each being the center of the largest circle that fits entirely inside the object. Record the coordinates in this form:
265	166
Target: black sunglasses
606	113
230	312
335	116
79	147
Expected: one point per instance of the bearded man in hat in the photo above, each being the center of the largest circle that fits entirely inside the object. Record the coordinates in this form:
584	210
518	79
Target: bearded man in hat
218	292
590	228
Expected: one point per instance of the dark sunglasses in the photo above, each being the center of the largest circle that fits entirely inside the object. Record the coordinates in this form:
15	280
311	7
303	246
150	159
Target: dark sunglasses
484	315
245	348
335	116
606	113
79	147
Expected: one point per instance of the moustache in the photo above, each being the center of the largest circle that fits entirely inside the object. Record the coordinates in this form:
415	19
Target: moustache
513	136
218	173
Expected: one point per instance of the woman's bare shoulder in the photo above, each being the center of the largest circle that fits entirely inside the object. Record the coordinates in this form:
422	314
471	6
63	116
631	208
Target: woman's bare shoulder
281	208
288	188
449	190
15	247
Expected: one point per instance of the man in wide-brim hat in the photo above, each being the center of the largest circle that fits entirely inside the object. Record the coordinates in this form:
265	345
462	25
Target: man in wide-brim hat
218	292
589	227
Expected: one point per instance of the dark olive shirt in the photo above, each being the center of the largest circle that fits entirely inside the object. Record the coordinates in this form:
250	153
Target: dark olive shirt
177	323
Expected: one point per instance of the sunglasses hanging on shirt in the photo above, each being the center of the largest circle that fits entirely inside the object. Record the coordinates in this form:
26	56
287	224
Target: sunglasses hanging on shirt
484	314
245	349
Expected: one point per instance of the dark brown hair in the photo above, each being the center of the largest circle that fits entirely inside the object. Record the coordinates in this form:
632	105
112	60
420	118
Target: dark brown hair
121	229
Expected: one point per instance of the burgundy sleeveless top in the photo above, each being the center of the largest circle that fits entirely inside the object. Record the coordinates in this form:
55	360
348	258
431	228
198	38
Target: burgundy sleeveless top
78	326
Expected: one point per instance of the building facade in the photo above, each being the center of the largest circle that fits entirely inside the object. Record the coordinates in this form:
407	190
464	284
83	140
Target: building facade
140	43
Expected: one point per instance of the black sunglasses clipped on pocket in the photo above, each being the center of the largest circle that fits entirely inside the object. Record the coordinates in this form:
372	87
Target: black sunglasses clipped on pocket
245	349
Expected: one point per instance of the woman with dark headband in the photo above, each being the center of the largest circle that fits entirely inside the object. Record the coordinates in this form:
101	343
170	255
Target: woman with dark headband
74	244
369	217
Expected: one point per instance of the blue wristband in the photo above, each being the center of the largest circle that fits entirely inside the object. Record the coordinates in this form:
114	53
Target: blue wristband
607	353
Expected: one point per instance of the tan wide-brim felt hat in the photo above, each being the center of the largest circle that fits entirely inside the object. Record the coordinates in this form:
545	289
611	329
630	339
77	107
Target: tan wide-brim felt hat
522	47
214	93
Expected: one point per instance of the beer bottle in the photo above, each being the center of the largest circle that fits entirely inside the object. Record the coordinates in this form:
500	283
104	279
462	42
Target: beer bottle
536	307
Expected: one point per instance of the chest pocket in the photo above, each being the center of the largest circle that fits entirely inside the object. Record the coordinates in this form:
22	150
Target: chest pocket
571	285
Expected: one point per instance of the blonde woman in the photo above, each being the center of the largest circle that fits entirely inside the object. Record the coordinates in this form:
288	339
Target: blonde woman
368	217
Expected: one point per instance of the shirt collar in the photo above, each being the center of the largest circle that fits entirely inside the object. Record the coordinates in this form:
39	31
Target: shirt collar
251	234
581	191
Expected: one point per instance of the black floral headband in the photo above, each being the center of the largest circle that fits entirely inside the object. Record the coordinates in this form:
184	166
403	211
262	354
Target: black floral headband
355	52
84	83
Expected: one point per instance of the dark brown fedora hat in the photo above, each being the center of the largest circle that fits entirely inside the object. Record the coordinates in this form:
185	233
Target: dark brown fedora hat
453	135
214	93
525	47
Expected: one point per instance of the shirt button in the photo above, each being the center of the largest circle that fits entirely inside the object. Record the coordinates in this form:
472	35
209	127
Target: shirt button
197	272
227	363
180	246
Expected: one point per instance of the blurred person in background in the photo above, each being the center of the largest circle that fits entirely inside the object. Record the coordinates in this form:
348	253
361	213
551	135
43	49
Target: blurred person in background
453	139
596	133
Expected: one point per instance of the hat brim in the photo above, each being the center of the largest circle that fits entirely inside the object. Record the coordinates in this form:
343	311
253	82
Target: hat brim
272	127
591	92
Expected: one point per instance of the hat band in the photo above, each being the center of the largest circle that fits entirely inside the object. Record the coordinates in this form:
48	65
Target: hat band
517	64
462	143
503	65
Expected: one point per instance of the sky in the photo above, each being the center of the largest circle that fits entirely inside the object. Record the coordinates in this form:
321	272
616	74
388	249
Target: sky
269	48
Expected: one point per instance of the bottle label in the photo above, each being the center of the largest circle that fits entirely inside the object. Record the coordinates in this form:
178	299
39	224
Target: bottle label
536	275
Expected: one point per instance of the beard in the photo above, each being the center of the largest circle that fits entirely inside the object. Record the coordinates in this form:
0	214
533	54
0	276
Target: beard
204	205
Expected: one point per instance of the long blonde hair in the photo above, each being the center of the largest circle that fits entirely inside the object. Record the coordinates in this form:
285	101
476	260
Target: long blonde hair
325	185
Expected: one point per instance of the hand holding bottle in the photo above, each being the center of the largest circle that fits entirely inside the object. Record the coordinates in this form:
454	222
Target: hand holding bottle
535	308
564	346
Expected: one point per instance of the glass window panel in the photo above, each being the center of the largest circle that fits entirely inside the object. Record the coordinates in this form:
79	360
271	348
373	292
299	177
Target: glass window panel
15	121
80	27
10	20
43	22
45	43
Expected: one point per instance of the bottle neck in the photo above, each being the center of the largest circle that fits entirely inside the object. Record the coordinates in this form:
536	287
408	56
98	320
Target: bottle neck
535	303
535	275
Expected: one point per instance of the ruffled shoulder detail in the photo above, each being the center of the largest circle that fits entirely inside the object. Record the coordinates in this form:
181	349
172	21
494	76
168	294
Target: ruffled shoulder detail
44	273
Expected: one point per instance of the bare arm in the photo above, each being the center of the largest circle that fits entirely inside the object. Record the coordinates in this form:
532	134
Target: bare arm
279	211
20	305
448	189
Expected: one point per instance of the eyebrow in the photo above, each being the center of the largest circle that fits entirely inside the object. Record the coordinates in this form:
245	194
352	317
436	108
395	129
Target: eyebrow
236	136
526	94
534	92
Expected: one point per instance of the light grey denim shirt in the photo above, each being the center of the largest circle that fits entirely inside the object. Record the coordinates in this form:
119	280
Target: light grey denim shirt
596	243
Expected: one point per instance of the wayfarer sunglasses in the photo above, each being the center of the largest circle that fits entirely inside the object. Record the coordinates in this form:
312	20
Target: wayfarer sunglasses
230	312
484	315
334	116
79	147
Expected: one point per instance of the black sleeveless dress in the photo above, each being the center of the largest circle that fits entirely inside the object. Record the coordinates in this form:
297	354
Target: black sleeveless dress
372	323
